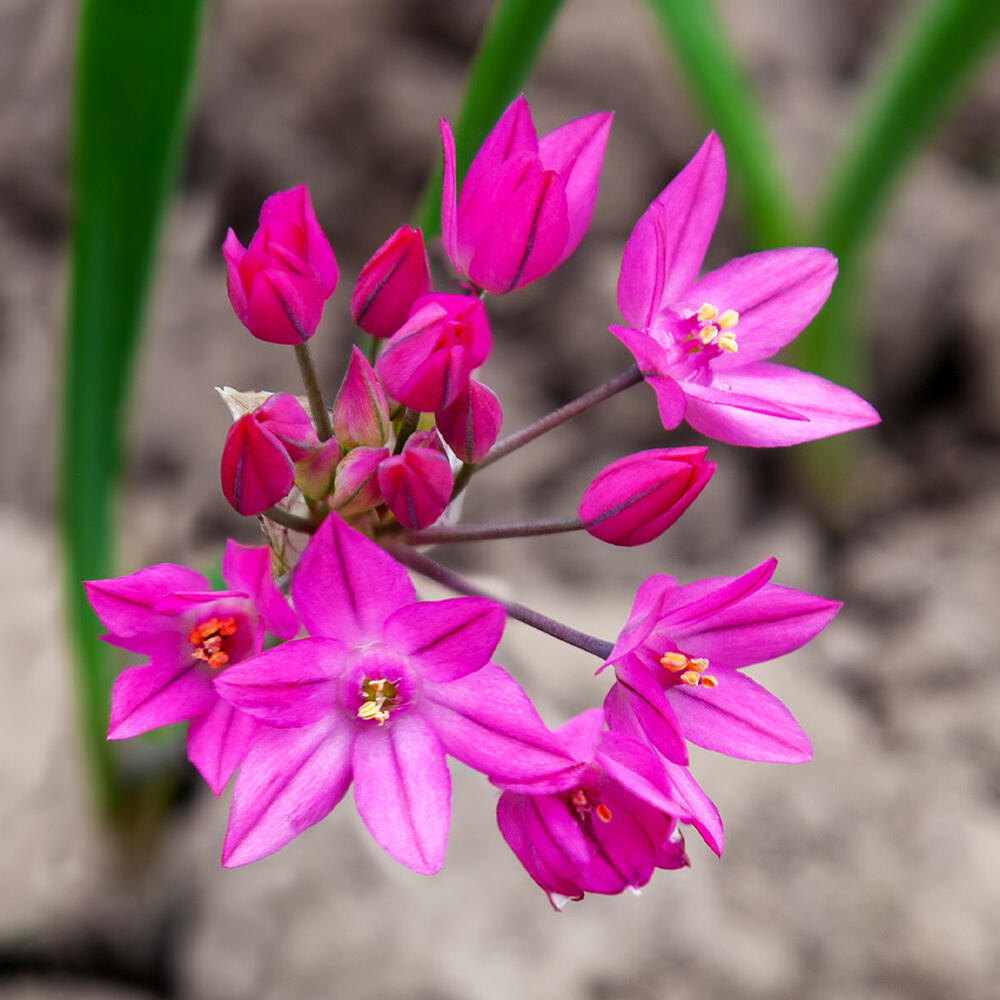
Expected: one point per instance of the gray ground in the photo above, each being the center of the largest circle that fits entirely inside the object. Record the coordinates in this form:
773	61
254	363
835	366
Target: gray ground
869	873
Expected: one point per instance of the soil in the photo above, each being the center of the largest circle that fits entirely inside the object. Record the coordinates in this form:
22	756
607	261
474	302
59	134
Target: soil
869	873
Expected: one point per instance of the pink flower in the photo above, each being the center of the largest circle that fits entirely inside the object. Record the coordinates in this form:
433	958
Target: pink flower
678	665
261	448
470	425
634	500
701	344
361	411
277	286
526	202
191	635
604	824
381	691
417	483
395	277
428	361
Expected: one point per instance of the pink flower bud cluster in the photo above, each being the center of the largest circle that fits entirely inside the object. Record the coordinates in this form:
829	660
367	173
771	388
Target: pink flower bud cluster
367	685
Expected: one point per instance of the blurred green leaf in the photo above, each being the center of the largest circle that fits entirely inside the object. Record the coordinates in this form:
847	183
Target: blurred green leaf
506	55
134	68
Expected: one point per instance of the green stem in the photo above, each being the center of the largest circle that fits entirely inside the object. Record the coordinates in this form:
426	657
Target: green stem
317	405
489	532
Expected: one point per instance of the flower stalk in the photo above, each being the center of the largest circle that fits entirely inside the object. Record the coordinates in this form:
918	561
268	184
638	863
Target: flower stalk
317	405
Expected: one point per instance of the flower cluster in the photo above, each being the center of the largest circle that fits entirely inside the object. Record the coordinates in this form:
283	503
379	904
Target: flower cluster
362	683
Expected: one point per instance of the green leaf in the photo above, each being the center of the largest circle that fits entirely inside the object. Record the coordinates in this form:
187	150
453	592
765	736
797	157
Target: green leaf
134	68
506	55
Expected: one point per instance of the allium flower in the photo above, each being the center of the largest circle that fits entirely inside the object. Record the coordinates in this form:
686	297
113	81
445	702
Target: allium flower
277	285
381	691
526	202
602	825
191	636
701	344
678	659
634	500
393	279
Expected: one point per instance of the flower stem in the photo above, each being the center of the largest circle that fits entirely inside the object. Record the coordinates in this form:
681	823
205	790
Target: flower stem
317	405
286	519
453	581
610	388
486	532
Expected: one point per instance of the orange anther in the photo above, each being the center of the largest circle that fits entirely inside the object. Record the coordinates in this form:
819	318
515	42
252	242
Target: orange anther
219	659
603	813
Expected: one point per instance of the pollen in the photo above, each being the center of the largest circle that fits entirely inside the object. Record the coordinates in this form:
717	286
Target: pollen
715	329
603	813
690	668
381	695
707	313
209	639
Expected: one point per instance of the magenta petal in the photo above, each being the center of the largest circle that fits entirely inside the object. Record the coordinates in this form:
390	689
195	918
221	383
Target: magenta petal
653	712
776	293
471	424
284	416
233	252
218	741
402	789
653	363
449	195
448	639
576	152
284	308
256	471
487	721
248	568
740	719
643	617
822	408
637	769
684	608
158	694
125	604
290	780
361	410
704	817
416	485
345	586
294	684
689	209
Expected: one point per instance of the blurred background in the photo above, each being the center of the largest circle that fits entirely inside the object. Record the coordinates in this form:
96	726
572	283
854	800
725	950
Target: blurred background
869	873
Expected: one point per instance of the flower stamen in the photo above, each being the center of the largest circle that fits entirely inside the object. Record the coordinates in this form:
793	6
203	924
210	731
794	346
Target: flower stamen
381	695
691	669
714	329
209	639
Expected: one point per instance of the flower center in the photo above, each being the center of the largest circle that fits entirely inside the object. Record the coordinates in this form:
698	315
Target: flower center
380	696
690	670
212	640
715	328
583	804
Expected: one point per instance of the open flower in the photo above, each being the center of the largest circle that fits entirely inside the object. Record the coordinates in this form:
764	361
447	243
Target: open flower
525	202
191	635
604	824
678	664
381	691
701	344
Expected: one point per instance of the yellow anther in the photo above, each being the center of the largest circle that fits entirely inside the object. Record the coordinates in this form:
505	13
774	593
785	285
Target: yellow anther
707	680
674	662
707	334
729	318
691	678
727	343
372	710
381	695
700	664
707	313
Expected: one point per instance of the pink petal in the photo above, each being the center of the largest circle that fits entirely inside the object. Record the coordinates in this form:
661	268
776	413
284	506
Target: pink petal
416	485
125	604
653	363
777	293
449	193
397	274
700	809
448	639
361	410
653	712
345	586
487	721
576	152
356	481
685	608
218	741
290	780
233	252
402	789
637	768
248	568
740	719
283	416
471	424
170	689
822	407
256	471
643	617
689	209
284	308
294	684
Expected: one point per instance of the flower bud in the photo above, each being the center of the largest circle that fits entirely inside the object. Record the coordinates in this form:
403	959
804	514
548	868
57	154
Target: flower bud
277	285
636	499
356	487
416	484
428	361
283	416
395	277
472	422
314	474
256	471
361	411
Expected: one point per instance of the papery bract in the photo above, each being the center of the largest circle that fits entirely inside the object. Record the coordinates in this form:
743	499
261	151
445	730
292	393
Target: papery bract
470	425
361	411
381	690
603	825
191	635
678	664
417	483
397	274
428	362
525	202
701	344
279	283
634	500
